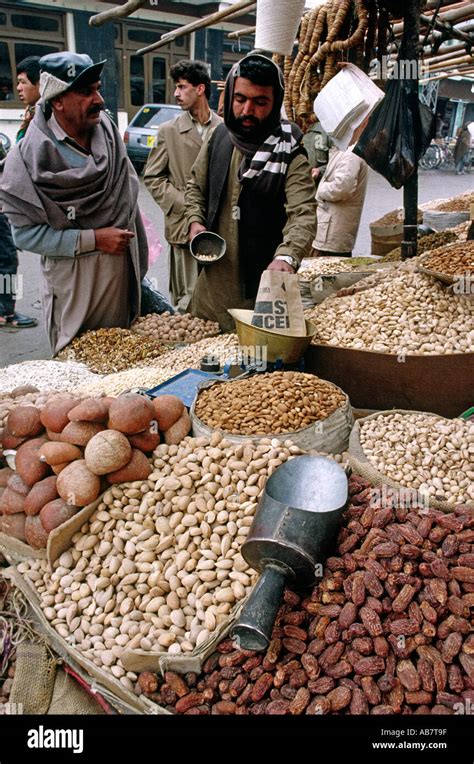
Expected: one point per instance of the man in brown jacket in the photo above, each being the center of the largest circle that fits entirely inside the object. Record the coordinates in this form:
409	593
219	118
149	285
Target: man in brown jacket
169	168
252	185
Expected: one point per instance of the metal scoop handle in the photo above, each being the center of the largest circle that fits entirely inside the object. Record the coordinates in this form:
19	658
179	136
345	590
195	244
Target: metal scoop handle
254	627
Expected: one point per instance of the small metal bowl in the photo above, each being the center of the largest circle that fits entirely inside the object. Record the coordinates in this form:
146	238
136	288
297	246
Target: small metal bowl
208	247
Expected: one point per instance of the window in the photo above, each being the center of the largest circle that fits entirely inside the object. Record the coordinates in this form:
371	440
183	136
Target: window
37	23
22	50
159	80
6	79
137	81
26	32
142	35
118	56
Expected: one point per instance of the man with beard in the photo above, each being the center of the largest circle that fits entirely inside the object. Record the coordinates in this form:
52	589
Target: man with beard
71	195
252	185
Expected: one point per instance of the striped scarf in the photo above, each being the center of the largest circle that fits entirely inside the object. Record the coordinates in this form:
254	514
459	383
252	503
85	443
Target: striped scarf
268	165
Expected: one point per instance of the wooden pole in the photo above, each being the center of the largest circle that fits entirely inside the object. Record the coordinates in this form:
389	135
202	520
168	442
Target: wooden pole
240	8
241	33
116	13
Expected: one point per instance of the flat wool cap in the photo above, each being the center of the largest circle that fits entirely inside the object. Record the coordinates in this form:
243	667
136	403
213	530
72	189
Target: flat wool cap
65	71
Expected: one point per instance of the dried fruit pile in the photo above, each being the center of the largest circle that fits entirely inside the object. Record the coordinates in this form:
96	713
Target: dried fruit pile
109	350
425	243
388	630
223	348
459	203
395	217
457	259
157	566
87	445
410	313
167	327
424	452
46	375
284	401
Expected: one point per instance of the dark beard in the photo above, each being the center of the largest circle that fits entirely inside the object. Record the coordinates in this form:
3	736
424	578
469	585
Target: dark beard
256	134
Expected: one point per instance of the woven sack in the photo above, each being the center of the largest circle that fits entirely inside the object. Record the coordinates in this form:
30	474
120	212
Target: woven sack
360	465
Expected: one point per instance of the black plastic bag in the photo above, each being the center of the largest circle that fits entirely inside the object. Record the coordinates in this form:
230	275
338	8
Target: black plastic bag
398	133
153	301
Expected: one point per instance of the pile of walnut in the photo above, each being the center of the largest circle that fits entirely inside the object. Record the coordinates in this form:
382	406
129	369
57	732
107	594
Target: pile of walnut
68	452
168	327
387	631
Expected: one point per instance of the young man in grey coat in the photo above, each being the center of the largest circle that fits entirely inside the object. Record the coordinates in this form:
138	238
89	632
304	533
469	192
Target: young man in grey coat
169	169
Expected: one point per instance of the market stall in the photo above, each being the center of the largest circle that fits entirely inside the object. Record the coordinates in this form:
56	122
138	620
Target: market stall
137	467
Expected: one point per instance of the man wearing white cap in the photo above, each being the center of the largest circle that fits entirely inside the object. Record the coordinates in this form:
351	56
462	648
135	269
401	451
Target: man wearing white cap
71	194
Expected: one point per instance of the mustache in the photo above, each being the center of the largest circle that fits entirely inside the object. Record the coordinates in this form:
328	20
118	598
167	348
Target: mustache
251	119
95	110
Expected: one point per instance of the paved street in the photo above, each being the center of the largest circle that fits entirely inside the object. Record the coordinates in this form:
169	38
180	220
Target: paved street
26	344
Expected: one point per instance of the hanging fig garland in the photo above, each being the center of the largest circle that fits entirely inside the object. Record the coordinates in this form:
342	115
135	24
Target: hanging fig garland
339	30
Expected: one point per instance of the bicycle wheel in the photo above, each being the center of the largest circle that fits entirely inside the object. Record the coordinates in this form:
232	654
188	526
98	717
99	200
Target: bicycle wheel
431	159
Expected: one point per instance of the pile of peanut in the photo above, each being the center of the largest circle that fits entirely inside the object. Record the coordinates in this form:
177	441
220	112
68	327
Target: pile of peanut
387	631
432	455
412	313
284	401
168	327
455	260
158	565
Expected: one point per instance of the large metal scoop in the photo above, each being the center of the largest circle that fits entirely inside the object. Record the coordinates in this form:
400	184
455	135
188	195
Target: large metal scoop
295	525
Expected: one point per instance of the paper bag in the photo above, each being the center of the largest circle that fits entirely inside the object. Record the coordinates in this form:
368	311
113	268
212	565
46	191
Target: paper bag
278	307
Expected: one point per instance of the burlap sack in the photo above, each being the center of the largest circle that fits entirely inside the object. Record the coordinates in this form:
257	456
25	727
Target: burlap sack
16	551
360	465
41	686
330	435
278	306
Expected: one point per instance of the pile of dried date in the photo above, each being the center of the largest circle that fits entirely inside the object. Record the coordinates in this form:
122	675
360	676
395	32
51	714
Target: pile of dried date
387	631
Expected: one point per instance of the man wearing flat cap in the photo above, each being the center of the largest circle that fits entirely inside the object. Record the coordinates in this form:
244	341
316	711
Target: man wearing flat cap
71	196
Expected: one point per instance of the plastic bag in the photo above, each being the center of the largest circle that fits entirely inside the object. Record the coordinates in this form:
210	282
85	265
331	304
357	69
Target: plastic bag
152	300
399	132
152	237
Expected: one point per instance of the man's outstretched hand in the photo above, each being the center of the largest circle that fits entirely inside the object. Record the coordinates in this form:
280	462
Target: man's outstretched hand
196	228
113	241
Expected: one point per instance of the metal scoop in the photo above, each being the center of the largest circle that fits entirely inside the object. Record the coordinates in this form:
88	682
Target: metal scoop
290	538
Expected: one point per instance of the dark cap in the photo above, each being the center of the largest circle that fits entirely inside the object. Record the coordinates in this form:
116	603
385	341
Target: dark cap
66	71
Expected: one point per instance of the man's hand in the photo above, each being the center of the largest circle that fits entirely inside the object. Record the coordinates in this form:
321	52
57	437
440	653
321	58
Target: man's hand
280	265
113	241
196	228
315	173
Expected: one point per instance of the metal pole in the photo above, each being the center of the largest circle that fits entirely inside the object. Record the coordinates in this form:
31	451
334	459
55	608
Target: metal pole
410	53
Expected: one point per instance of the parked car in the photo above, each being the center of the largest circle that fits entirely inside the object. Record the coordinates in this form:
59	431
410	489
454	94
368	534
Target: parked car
140	135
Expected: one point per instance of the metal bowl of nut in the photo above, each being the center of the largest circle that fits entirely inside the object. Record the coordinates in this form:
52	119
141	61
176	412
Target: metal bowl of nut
208	247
